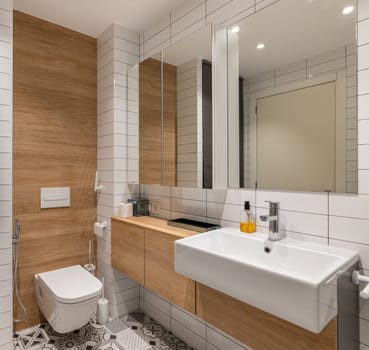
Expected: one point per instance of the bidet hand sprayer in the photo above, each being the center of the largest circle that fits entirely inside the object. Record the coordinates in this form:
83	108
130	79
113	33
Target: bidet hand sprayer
17	231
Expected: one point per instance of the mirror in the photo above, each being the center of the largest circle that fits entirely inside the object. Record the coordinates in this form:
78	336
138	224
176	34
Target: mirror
190	61
150	119
132	124
174	112
292	92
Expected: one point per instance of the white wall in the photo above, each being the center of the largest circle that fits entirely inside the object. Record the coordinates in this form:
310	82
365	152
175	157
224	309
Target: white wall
118	51
335	219
6	42
195	332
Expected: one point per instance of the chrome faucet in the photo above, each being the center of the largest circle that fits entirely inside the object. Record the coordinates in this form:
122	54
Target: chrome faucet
273	219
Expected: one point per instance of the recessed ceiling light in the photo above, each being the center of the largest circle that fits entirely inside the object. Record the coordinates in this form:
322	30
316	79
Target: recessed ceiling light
235	29
347	10
260	46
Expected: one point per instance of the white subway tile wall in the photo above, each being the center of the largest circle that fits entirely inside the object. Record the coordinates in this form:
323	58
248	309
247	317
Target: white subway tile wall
118	52
195	332
336	219
6	42
189	124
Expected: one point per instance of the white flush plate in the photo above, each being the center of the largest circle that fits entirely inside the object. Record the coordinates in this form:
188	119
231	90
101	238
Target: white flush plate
55	197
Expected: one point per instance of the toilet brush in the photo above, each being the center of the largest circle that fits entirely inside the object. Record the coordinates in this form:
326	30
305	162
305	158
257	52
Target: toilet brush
102	307
90	267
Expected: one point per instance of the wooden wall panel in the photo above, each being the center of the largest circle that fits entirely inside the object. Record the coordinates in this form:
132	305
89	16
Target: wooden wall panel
256	328
54	144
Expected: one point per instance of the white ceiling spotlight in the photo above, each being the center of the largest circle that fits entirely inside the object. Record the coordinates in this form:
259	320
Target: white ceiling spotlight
235	29
260	46
347	10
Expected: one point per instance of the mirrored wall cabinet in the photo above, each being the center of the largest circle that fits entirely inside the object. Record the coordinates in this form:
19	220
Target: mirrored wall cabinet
292	91
175	113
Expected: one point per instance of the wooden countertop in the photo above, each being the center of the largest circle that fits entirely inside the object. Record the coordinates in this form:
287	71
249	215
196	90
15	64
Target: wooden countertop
156	224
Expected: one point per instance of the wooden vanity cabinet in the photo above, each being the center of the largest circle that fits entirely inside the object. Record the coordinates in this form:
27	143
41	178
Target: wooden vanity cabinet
128	250
144	251
146	254
160	276
256	328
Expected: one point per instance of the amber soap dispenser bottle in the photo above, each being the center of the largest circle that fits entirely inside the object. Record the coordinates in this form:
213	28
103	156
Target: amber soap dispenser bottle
247	219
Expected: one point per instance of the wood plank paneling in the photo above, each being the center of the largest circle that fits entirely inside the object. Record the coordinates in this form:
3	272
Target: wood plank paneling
127	250
54	144
159	271
257	328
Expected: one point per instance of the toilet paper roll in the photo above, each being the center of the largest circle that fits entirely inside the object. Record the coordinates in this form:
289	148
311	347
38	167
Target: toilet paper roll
102	311
99	228
125	210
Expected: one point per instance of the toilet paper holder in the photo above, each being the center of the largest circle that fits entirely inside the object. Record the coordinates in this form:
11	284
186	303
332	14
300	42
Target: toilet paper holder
99	228
356	279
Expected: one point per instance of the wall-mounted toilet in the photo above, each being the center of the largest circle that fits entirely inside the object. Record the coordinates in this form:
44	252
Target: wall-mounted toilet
67	297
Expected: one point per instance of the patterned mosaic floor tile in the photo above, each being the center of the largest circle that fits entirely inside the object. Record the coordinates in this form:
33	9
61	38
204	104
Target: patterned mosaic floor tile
110	345
116	326
135	331
32	339
155	334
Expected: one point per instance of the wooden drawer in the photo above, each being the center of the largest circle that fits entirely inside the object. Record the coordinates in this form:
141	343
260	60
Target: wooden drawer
128	250
256	328
160	276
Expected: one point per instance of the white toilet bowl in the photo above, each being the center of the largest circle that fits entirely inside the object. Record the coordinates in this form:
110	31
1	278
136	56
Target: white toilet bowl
67	297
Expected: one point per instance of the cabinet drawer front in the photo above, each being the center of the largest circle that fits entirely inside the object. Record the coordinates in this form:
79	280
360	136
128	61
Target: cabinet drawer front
256	328
159	271
128	250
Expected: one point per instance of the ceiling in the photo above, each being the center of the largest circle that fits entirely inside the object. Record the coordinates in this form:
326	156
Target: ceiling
92	17
292	31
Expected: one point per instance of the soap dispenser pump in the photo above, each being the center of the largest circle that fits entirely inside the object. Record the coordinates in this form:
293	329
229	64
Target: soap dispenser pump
247	219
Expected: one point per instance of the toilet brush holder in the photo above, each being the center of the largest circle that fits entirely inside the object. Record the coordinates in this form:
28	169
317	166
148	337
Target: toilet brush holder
102	311
102	307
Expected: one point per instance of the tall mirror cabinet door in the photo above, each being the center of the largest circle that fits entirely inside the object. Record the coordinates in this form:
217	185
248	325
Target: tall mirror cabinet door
169	125
187	107
150	120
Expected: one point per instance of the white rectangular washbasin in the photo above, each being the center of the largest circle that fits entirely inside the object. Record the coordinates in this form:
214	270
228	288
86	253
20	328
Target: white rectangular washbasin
295	281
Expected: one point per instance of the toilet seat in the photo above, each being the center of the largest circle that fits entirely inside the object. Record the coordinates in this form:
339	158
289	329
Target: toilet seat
72	284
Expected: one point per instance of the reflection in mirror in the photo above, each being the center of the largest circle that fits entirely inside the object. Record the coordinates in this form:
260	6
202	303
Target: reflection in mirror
187	105
292	98
132	124
151	158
